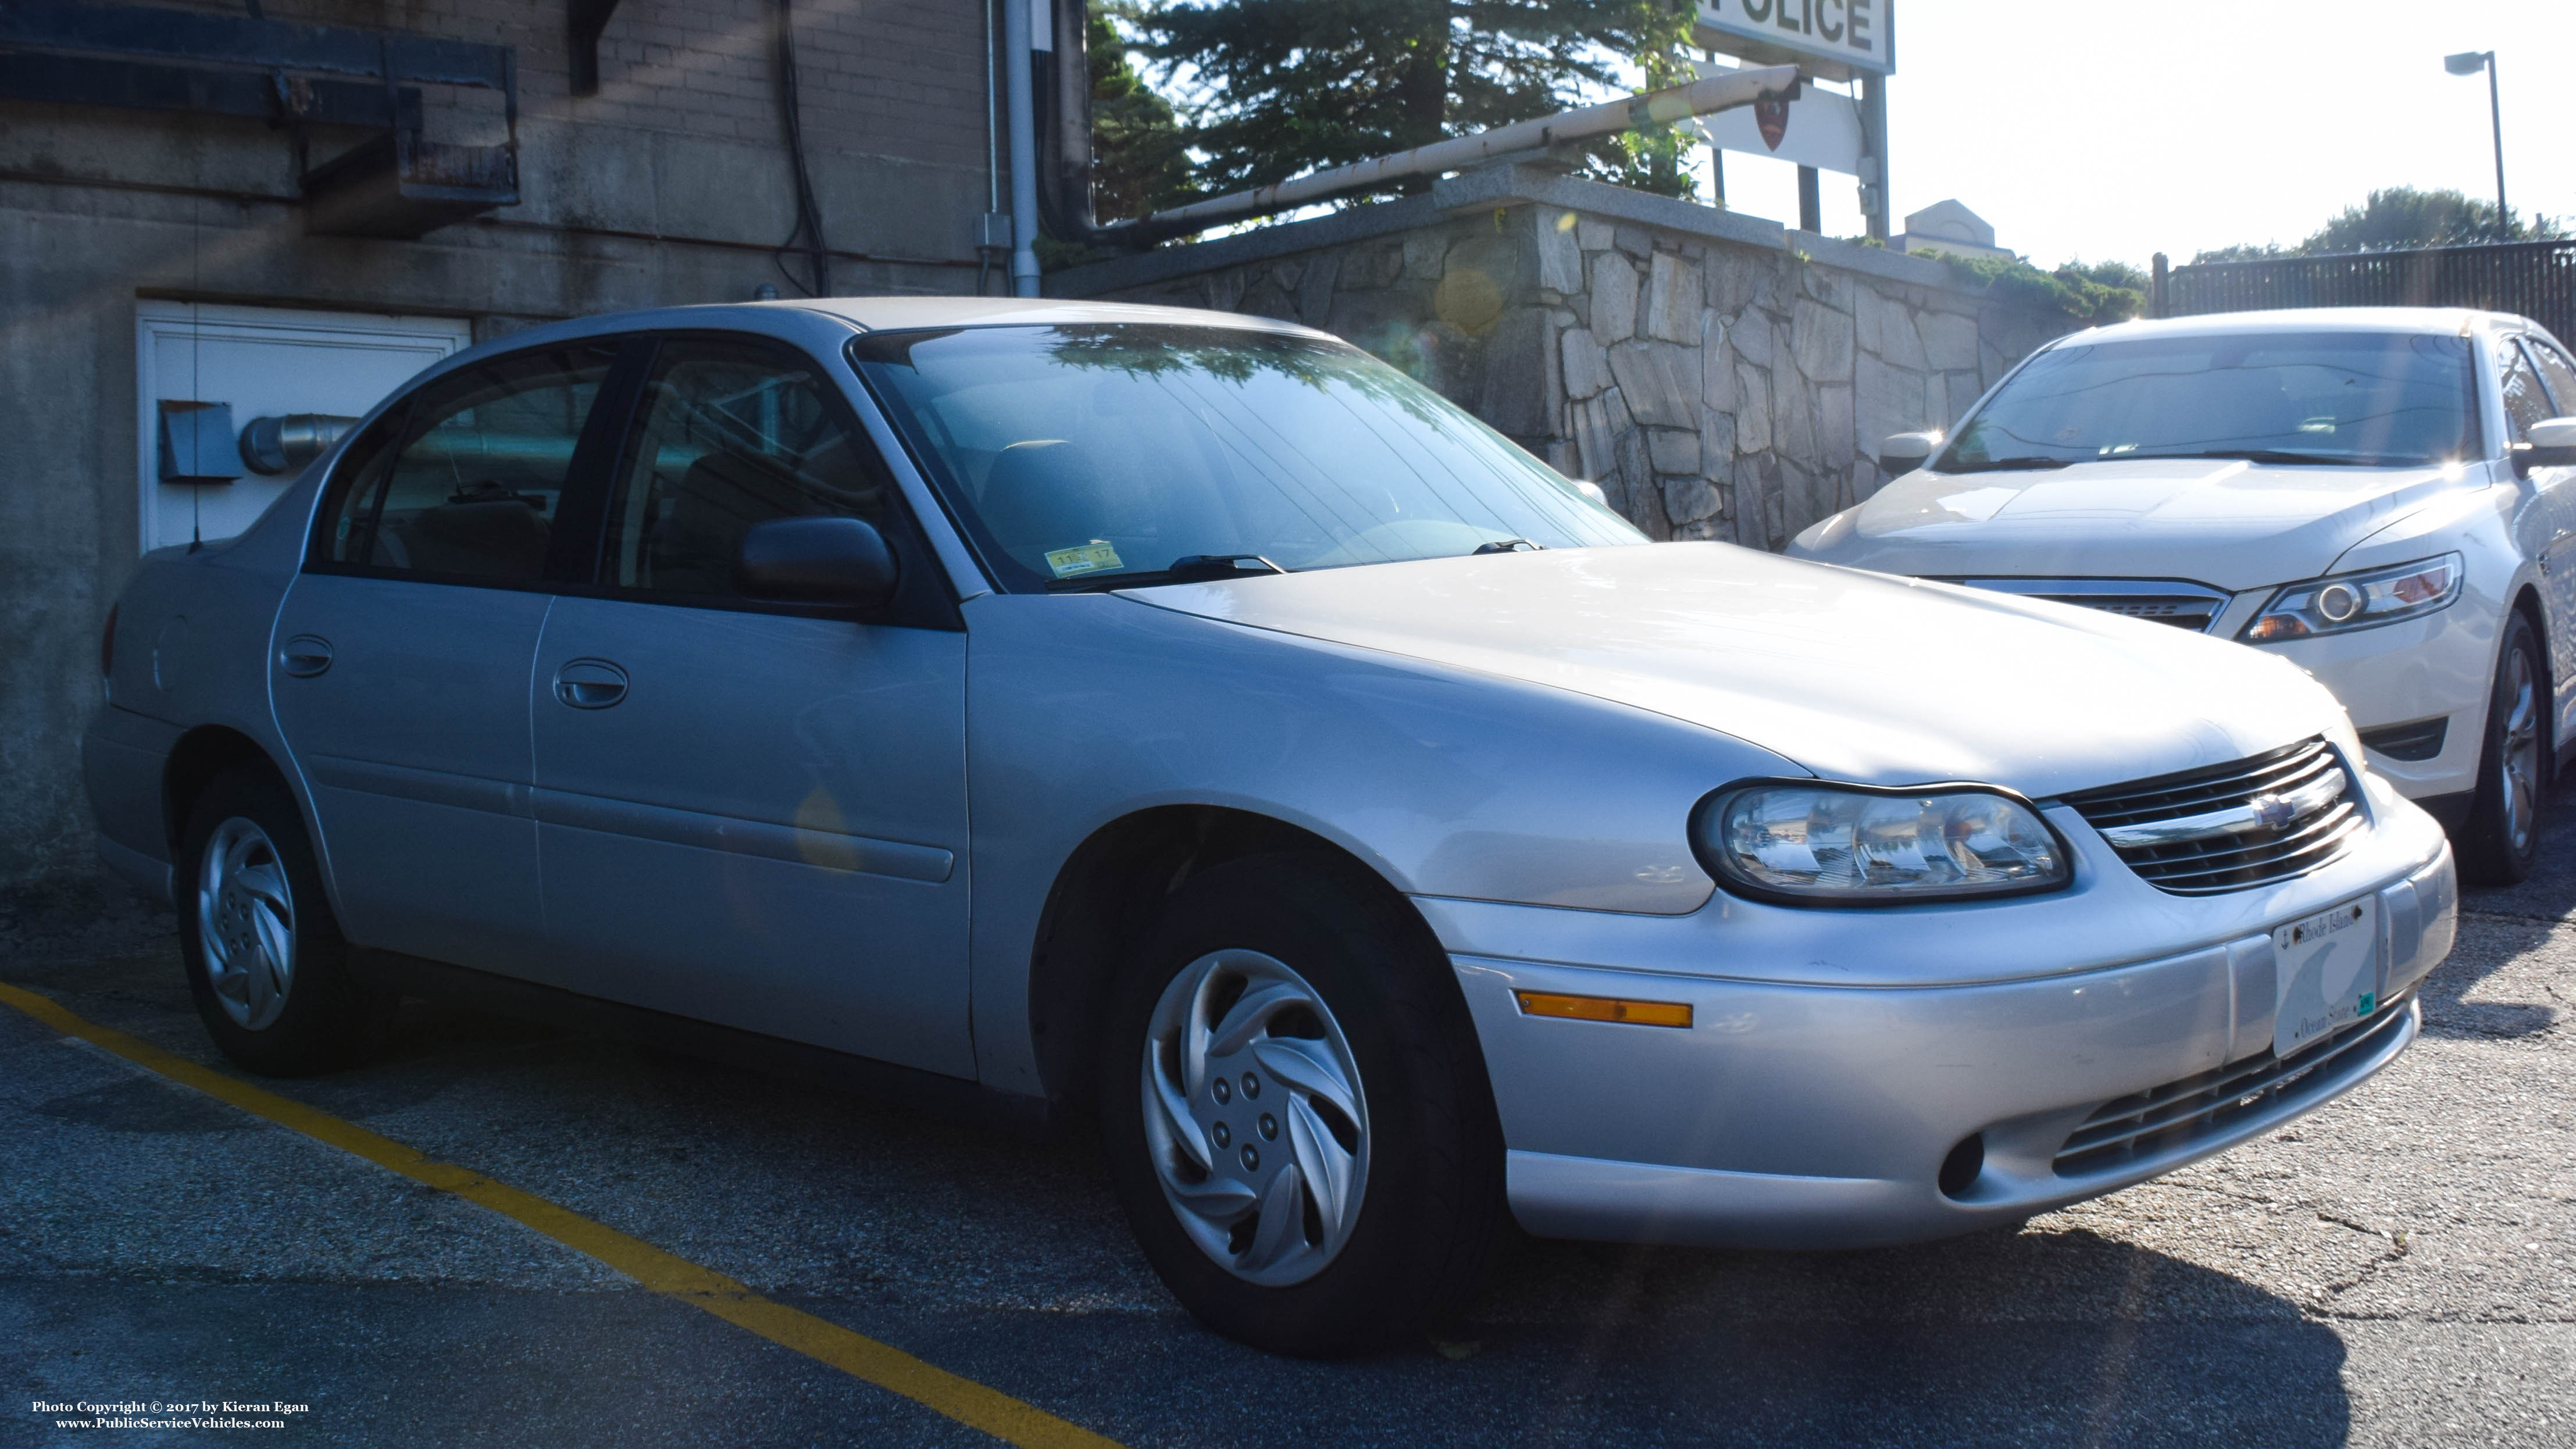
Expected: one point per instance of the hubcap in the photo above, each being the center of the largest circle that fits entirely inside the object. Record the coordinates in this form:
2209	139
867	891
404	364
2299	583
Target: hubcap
2519	767
1242	1054
246	923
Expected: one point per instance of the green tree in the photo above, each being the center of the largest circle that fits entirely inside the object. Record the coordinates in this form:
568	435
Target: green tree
1283	87
2100	292
2402	217
1140	158
2397	219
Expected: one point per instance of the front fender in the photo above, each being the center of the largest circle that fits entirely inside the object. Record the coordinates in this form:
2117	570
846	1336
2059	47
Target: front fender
1085	709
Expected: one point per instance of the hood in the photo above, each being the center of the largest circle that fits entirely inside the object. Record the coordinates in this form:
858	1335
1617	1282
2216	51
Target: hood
2232	525
1855	676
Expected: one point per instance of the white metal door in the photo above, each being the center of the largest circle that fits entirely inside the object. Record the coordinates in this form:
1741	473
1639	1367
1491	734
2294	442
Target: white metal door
260	362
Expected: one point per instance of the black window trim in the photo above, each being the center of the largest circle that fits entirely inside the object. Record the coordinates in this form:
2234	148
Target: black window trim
576	555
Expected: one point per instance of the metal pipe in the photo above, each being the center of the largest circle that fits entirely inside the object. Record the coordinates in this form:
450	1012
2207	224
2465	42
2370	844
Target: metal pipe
2495	116
992	118
274	445
1024	147
1698	98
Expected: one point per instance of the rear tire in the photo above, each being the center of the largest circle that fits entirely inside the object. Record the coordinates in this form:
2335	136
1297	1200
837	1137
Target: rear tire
1378	1212
264	956
2501	840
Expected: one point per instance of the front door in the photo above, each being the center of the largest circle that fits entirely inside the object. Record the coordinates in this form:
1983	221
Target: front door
401	656
753	813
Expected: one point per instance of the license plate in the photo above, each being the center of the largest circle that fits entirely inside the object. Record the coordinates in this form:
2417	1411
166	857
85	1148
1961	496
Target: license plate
2327	968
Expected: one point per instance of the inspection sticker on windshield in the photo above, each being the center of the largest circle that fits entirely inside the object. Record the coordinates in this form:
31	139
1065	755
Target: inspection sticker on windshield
2327	968
1090	558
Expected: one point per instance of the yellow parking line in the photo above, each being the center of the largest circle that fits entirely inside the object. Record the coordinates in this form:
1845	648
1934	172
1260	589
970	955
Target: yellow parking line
962	1399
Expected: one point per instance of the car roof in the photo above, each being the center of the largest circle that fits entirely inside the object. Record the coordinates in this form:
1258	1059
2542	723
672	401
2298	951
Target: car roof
882	314
2429	321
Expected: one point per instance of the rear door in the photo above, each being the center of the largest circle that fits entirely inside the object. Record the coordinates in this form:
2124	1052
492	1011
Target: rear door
748	812
400	666
2532	372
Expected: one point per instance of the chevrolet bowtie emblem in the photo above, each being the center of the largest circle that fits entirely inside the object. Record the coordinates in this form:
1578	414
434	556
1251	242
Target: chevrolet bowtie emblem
2275	811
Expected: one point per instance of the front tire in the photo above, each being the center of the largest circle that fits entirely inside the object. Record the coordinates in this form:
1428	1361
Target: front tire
2501	841
1295	1112
264	956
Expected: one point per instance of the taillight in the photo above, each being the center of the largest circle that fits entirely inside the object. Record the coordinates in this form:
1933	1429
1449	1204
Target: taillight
107	645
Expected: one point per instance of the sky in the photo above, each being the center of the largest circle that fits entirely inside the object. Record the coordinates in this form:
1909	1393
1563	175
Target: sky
2115	129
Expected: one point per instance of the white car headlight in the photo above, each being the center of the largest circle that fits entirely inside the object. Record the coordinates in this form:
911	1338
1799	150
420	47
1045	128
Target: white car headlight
2357	601
1813	844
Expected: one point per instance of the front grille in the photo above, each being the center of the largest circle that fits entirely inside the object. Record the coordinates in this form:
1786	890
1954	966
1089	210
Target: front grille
2231	827
2419	740
2166	601
2154	1122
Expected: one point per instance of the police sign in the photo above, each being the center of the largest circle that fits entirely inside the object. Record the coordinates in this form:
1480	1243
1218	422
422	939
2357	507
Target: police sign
1848	34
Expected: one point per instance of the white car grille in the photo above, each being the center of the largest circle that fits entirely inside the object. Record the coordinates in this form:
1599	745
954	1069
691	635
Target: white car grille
2166	601
2231	827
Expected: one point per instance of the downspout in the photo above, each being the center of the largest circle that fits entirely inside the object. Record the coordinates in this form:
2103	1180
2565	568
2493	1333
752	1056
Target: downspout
1016	61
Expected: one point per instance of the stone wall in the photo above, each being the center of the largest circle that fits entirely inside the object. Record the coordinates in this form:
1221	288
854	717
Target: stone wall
1720	377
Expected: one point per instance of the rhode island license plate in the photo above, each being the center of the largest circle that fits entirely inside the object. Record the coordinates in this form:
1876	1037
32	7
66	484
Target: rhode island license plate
2327	968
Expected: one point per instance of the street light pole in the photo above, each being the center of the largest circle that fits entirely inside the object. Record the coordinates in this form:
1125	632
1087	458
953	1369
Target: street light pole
2470	62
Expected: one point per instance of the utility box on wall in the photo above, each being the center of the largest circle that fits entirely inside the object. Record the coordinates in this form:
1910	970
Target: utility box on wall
205	374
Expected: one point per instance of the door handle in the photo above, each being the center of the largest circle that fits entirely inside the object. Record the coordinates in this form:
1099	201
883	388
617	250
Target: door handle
590	684
305	655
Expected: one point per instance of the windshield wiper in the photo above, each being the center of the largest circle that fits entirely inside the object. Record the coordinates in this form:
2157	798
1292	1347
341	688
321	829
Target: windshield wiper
1507	545
2007	465
1192	568
2269	455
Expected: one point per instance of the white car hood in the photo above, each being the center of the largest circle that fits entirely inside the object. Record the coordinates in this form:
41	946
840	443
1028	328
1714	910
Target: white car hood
1855	676
2232	525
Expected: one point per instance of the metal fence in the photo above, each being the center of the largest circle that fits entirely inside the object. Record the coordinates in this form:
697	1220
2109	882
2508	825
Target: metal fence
2535	279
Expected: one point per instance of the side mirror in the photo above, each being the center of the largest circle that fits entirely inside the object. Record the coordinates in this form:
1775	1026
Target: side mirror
816	561
1905	452
2552	445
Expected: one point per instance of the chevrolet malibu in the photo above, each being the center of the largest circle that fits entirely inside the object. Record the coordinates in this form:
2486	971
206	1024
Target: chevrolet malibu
2384	497
1038	708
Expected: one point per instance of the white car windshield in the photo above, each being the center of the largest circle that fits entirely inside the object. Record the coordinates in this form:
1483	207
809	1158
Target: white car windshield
1099	455
2362	399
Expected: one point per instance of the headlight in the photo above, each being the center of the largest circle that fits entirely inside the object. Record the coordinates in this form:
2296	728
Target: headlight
2357	601
1855	846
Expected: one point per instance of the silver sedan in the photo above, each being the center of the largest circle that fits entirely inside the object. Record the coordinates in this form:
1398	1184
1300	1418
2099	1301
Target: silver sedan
1035	709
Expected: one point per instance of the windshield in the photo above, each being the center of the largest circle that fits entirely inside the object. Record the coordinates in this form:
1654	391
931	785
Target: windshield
2356	398
1077	455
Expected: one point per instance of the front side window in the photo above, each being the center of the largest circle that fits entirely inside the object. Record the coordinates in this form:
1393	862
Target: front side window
2525	402
2557	374
2356	398
1081	454
466	480
728	435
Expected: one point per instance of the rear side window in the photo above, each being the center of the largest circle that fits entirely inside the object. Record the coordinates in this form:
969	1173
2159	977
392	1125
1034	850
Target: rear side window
469	483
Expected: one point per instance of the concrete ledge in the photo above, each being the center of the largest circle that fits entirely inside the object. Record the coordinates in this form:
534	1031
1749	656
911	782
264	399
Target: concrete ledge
1193	259
1518	185
1483	190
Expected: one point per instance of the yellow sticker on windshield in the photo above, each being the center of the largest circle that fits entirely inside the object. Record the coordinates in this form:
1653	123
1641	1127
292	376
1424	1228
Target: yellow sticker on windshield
1091	558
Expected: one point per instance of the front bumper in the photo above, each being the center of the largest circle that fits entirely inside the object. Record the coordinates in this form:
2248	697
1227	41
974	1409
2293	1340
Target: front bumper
2440	666
1801	1114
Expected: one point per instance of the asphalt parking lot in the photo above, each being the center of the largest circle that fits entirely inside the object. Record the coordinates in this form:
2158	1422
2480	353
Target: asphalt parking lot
2399	1268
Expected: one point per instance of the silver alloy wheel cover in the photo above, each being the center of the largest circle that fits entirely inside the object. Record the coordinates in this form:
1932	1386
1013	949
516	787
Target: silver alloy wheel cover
246	923
2518	769
1241	1121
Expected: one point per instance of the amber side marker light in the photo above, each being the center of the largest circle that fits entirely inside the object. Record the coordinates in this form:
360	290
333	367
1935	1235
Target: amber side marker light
1605	1008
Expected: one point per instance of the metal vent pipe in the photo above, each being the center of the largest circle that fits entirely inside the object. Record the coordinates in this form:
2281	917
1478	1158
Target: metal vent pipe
1066	199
